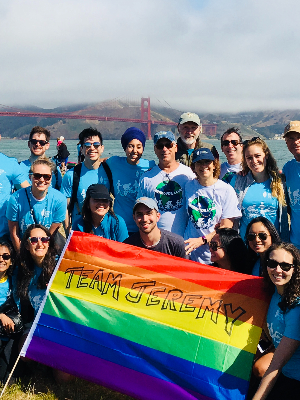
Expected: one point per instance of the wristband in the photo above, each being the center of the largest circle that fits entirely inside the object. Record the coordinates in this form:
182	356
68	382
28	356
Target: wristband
204	239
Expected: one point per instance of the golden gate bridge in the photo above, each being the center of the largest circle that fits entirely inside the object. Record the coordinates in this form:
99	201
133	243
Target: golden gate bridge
146	121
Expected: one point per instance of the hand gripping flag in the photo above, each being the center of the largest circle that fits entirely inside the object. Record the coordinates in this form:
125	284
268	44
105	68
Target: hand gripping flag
148	324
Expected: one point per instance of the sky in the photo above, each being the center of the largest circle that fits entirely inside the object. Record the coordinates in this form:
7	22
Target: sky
196	55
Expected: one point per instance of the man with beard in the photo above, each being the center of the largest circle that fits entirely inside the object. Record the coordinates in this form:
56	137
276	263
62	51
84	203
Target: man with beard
149	236
189	128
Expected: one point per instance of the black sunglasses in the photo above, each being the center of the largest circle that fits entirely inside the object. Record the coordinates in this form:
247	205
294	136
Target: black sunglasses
261	235
214	246
95	144
37	176
5	256
227	142
35	239
272	264
36	141
160	146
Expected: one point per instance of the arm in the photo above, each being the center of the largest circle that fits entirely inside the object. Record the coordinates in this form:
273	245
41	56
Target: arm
7	323
14	234
283	353
54	226
194	243
24	184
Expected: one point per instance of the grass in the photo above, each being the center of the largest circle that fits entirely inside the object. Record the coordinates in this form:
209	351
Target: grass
39	384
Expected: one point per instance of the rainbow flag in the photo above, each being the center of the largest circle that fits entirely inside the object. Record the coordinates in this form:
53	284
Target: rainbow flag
148	324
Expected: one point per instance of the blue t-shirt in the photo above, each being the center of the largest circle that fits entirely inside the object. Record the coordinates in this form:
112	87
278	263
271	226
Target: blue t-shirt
126	183
110	227
291	171
51	209
25	165
256	269
11	174
287	325
257	202
87	178
4	290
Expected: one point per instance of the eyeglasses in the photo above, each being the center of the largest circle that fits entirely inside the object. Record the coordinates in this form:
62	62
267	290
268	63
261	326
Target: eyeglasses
36	141
37	176
160	146
233	142
214	246
272	264
95	144
5	256
35	239
261	235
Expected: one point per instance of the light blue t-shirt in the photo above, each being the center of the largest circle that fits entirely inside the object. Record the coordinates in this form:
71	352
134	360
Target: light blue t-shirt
51	209
291	171
11	174
110	227
126	183
257	202
4	290
206	206
87	178
287	325
25	165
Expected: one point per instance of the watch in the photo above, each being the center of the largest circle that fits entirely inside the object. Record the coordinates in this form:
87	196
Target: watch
204	239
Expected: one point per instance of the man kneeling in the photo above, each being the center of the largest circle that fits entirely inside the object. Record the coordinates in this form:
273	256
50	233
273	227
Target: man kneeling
149	236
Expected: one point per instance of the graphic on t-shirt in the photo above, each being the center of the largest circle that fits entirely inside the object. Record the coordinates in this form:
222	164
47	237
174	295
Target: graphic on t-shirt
127	188
294	196
169	196
260	210
202	211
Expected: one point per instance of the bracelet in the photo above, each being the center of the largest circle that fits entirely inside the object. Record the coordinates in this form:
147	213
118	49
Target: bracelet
204	239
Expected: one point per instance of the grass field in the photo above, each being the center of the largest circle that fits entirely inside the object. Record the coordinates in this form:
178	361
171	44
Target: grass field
39	384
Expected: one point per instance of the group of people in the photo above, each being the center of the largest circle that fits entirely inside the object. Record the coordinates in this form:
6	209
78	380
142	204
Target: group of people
241	216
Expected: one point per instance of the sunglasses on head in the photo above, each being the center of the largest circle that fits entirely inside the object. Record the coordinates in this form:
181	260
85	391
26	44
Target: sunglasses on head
36	141
35	239
37	176
5	256
160	146
272	264
245	142
261	235
214	246
89	144
233	142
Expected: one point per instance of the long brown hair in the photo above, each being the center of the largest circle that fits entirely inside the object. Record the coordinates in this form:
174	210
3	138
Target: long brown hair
271	167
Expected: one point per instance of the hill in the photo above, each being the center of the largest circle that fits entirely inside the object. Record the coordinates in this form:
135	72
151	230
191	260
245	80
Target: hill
265	123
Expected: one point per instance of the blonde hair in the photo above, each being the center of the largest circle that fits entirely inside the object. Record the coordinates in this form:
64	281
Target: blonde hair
271	167
43	161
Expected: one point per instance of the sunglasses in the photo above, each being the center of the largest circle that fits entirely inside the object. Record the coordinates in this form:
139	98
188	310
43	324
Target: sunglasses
160	146
233	142
35	239
272	264
5	256
254	139
214	246
89	144
37	177
36	141
261	235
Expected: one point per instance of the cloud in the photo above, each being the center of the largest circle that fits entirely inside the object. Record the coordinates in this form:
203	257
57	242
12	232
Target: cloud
197	55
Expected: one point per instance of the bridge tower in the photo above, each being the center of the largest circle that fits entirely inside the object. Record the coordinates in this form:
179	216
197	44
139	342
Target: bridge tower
146	116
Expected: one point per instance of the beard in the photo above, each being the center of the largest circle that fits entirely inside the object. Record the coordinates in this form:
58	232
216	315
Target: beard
190	140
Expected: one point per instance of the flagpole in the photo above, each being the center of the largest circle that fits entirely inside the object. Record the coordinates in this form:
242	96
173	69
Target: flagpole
10	375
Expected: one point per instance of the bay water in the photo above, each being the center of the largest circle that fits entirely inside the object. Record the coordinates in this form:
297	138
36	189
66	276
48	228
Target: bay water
19	149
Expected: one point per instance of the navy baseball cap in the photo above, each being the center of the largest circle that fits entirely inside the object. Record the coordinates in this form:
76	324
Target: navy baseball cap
202	154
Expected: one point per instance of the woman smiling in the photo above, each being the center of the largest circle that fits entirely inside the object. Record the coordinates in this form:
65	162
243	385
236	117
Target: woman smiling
209	202
260	188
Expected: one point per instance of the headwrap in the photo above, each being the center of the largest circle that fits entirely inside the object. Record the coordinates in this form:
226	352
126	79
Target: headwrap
130	134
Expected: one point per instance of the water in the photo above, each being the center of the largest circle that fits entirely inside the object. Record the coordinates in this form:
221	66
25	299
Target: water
19	149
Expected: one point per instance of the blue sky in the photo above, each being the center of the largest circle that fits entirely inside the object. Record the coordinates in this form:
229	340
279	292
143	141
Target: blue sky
216	55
